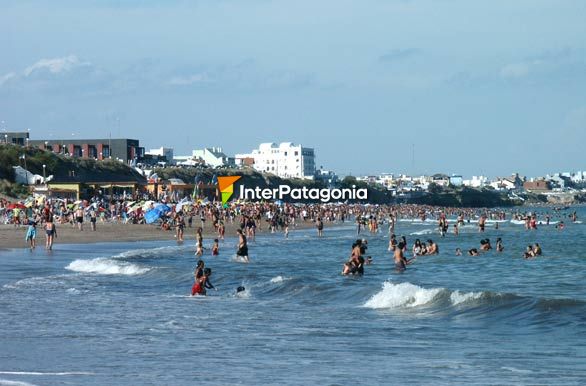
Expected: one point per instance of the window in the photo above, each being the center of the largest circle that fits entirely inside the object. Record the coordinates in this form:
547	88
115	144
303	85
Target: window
296	153
285	154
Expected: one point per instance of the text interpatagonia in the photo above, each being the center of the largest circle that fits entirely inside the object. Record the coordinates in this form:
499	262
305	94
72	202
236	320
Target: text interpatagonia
285	191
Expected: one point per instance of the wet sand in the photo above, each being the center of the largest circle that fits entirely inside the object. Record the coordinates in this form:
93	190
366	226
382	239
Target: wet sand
12	237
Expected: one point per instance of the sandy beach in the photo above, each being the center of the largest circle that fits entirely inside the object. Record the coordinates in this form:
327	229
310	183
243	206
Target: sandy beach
13	237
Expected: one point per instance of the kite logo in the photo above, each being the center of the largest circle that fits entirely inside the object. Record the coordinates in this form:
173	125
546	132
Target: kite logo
226	186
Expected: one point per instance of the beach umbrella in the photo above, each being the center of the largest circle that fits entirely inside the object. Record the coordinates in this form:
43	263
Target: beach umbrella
156	213
16	206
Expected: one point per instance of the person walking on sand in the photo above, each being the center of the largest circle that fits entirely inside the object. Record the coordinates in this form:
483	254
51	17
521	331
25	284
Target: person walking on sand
79	217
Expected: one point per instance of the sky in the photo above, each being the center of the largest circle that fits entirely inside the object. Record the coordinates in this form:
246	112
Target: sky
401	86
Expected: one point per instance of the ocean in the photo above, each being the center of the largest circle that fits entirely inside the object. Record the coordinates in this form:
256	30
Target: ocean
120	313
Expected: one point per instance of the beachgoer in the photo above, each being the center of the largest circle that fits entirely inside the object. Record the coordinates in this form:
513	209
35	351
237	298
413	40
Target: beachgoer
242	251
320	227
199	245
93	219
458	252
31	233
432	248
79	217
216	248
51	233
499	245
400	261
203	283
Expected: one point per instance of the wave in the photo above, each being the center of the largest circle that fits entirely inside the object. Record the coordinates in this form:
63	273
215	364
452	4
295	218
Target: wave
402	295
279	279
6	382
408	296
104	266
422	232
45	373
151	252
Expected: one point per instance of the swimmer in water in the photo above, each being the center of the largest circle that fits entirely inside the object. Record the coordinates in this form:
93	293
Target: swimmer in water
432	248
458	252
499	245
473	252
529	252
400	261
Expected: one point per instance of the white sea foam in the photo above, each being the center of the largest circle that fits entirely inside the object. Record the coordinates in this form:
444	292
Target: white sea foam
458	297
105	266
411	295
279	279
422	232
401	295
151	252
6	382
45	373
518	222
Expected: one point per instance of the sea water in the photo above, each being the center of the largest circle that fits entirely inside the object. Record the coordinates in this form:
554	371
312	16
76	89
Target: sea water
120	313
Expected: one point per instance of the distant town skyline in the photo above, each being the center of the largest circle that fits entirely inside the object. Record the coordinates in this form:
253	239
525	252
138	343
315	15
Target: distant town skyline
406	86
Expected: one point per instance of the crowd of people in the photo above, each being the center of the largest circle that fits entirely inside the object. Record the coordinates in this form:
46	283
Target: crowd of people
250	217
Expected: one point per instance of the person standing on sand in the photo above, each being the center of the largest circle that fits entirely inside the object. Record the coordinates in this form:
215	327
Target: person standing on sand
93	218
79	217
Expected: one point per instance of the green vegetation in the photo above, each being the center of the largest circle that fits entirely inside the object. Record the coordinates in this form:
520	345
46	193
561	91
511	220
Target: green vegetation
63	168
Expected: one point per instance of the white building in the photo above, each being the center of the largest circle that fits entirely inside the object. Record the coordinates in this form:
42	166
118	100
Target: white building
213	156
476	182
166	152
285	160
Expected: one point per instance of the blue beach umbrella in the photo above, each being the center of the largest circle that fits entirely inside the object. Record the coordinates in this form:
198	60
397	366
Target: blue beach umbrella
156	213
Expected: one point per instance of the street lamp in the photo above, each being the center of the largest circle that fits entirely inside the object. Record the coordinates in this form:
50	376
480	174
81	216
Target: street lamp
44	178
6	139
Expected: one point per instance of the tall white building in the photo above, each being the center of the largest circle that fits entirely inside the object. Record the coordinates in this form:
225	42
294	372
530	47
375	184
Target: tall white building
285	160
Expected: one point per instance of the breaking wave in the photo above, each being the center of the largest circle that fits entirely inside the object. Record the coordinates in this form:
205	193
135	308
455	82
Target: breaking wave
104	266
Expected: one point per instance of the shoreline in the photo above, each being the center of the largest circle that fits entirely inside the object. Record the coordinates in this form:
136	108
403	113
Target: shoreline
12	237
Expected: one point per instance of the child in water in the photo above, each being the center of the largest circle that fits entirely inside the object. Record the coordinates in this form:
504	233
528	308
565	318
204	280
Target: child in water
216	248
203	283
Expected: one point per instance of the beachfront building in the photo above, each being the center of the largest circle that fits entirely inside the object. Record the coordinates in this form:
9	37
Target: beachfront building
213	156
162	154
16	138
286	160
476	182
123	149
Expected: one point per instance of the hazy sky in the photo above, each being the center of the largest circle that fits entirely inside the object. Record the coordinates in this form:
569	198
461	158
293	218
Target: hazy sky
475	87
